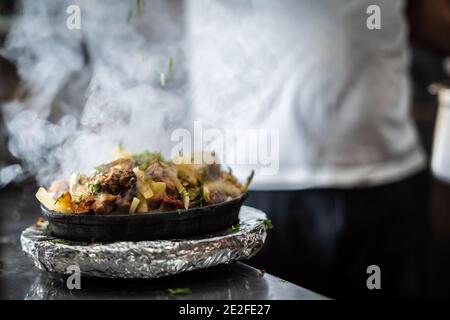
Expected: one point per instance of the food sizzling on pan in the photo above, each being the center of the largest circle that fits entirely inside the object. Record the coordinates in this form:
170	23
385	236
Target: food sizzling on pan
142	183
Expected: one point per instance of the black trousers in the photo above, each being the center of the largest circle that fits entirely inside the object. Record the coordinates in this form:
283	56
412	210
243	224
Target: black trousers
324	239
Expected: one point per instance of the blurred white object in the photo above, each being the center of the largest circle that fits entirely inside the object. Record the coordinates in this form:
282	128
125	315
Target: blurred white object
338	93
447	65
440	161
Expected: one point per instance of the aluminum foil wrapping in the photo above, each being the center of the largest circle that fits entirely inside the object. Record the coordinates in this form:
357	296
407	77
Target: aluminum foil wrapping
147	259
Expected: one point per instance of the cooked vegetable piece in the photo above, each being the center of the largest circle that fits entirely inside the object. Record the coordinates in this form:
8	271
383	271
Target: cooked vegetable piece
159	188
142	183
121	153
249	181
57	188
64	203
206	194
223	186
143	206
45	198
182	191
134	205
105	203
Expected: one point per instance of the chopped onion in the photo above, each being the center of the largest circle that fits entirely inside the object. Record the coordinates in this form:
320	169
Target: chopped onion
134	205
45	198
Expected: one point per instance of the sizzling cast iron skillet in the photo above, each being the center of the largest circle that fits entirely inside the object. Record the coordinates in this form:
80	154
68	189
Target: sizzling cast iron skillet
145	226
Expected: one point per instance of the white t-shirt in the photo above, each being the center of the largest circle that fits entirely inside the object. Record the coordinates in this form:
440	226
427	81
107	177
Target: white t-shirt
338	93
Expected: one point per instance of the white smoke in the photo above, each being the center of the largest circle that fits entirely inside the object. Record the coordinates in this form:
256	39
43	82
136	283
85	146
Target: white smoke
86	91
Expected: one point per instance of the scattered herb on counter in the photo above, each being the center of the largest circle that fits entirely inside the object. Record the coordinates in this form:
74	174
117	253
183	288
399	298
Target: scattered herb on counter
16	215
267	223
234	229
47	227
179	291
58	241
15	244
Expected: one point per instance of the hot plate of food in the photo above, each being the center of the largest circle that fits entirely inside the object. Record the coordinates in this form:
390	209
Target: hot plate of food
143	197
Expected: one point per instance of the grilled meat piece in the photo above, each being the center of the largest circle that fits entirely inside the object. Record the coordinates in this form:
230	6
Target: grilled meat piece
209	172
118	182
218	197
156	171
58	187
171	202
123	204
213	171
84	204
105	203
163	185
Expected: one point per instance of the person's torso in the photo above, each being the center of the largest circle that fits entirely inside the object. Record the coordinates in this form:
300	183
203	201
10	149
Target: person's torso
337	91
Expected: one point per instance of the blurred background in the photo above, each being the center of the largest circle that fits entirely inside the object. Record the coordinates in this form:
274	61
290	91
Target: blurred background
428	65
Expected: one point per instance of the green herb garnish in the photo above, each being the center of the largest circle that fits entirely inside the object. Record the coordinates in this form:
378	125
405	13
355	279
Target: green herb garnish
144	165
98	169
183	175
58	241
170	65
267	223
93	187
130	15
144	158
234	229
179	291
249	180
139	6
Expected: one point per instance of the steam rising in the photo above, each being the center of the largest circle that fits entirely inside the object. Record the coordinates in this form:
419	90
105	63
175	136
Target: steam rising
86	91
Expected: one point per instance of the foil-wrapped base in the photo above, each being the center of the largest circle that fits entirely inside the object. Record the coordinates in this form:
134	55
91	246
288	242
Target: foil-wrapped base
147	259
